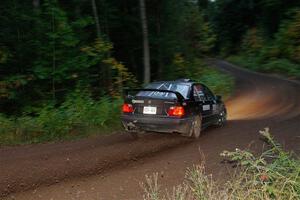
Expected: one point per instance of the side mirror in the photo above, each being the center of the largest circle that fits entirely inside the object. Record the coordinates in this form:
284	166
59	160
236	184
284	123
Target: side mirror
218	97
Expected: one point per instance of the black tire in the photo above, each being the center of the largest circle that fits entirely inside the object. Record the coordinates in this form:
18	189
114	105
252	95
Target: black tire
134	135
222	119
195	128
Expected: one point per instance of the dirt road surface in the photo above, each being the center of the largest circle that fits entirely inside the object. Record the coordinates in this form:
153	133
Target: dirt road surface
112	167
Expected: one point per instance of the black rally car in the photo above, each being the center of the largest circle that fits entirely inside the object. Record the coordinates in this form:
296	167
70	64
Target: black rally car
181	106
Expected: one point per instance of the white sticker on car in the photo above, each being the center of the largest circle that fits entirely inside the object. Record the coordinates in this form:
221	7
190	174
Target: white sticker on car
206	107
137	101
214	107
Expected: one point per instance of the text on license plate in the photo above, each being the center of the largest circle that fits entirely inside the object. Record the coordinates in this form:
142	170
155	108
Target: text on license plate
149	110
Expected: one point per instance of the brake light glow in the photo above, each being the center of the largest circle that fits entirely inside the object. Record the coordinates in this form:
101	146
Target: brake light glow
176	111
127	108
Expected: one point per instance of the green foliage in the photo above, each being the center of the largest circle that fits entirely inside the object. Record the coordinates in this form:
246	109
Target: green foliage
4	54
53	52
279	56
57	50
269	43
121	77
187	33
113	74
281	67
288	37
252	42
198	34
245	61
272	175
278	179
233	19
98	50
78	116
230	20
49	50
221	84
6	129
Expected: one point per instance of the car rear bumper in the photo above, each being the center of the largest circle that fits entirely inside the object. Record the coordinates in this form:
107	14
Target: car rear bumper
157	124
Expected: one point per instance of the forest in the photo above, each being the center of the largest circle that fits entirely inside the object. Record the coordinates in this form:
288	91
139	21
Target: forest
64	64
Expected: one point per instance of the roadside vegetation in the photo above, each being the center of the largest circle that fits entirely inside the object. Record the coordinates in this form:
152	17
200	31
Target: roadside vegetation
53	53
275	174
79	116
265	36
280	55
64	65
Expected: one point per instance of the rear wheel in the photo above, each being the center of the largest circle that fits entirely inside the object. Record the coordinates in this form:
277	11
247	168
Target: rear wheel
222	118
134	135
195	129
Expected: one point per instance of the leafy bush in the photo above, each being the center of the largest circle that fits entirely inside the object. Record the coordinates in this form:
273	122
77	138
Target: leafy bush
288	37
220	84
78	116
245	61
280	55
282	66
273	175
278	66
7	129
199	71
252	42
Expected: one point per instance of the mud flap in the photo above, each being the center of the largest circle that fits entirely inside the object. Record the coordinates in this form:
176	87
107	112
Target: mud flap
190	130
187	131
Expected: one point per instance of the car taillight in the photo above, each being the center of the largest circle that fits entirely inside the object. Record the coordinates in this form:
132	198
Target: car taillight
127	108
176	111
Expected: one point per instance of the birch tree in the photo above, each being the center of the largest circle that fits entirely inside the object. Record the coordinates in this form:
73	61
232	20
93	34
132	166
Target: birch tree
36	3
146	59
96	17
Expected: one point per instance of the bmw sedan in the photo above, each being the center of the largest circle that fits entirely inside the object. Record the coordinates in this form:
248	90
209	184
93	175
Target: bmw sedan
181	106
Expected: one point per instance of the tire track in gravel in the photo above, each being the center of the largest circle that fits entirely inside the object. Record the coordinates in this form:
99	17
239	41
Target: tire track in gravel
112	167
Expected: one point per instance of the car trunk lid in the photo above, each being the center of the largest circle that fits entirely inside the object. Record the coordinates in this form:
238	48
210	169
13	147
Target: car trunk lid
153	105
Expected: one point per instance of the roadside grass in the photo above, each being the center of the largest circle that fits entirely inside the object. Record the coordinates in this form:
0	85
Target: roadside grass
275	174
198	70
282	67
79	116
220	83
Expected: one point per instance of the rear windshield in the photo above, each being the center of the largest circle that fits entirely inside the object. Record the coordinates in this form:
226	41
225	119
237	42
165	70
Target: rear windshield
176	87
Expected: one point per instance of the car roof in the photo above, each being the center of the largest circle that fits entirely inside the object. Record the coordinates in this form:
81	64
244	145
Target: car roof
178	81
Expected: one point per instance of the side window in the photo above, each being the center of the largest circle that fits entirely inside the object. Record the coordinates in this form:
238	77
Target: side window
195	92
209	95
198	93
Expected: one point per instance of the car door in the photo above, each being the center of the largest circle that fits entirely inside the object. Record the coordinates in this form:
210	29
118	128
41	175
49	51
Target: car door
202	102
211	100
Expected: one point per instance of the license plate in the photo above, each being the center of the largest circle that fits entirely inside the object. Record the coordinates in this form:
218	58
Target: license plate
149	110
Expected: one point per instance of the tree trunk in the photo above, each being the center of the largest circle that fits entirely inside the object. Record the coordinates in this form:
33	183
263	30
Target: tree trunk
53	61
96	17
36	3
104	71
145	42
159	48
